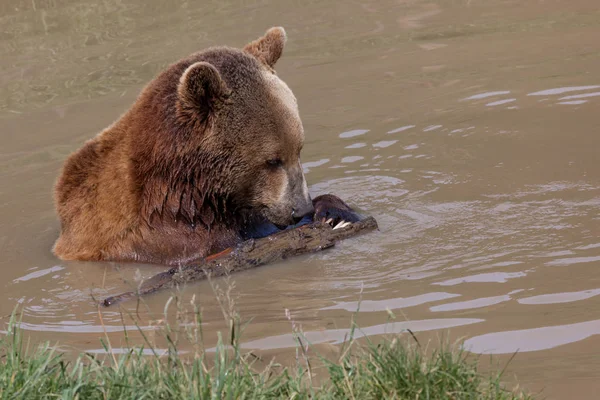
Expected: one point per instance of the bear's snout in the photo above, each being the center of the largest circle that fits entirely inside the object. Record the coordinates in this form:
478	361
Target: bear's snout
301	202
302	211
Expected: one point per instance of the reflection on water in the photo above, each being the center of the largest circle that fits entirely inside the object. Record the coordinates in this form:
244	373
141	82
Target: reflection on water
468	129
352	133
498	277
500	102
554	298
562	90
486	95
80	327
574	260
573	102
392	304
338	336
40	273
401	129
470	304
385	143
535	339
580	96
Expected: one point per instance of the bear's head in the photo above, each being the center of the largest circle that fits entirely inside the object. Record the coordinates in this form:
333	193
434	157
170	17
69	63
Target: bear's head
243	124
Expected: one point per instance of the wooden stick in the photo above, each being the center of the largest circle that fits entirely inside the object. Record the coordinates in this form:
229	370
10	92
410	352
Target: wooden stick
252	253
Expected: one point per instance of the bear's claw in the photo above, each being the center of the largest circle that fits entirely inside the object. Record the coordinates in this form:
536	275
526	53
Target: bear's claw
342	224
334	211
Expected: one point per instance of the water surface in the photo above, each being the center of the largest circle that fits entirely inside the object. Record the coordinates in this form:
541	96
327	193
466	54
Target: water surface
470	130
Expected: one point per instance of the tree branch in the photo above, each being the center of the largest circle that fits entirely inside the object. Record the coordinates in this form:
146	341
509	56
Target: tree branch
252	253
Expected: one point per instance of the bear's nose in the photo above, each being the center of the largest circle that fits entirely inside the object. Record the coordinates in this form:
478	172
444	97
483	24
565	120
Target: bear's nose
298	214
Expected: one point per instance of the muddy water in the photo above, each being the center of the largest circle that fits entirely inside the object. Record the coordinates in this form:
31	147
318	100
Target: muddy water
469	129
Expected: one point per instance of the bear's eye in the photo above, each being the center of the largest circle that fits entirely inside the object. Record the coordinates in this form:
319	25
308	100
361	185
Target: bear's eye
275	163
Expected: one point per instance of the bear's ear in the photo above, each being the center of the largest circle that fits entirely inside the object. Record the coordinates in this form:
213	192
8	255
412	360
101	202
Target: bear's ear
268	48
200	91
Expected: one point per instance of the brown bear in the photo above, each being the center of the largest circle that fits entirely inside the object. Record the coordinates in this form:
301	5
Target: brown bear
207	156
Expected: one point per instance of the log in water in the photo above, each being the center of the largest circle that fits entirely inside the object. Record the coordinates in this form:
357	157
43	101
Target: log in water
252	253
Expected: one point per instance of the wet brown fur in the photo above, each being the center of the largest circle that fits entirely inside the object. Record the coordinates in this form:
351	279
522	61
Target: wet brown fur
180	173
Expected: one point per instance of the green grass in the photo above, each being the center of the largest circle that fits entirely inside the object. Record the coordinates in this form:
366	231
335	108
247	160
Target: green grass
391	368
